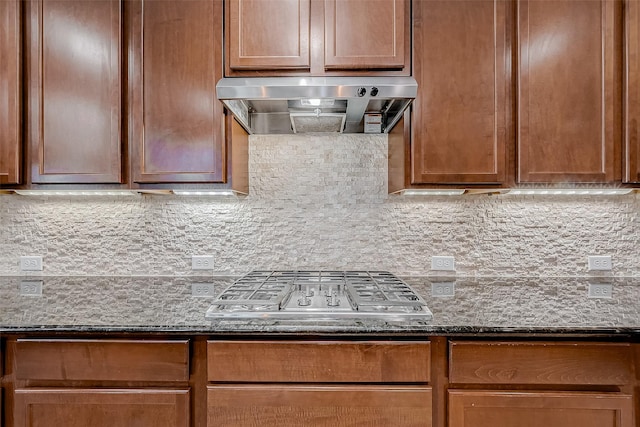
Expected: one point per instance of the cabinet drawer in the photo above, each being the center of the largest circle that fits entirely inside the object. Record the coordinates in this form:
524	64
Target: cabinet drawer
293	406
318	361
540	363
102	360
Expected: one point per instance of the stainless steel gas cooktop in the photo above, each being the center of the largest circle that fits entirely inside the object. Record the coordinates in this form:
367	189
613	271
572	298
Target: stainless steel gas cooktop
319	295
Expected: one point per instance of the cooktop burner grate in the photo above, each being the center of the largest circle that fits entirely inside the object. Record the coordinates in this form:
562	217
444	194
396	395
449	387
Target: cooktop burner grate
319	295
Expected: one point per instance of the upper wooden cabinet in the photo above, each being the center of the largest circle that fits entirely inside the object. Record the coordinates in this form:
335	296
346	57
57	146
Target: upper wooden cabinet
632	93
569	84
10	96
460	116
317	37
176	122
73	69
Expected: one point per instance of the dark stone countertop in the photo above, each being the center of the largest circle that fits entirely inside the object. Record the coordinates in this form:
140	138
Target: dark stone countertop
165	305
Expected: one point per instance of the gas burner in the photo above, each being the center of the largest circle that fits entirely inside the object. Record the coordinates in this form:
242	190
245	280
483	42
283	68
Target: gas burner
319	295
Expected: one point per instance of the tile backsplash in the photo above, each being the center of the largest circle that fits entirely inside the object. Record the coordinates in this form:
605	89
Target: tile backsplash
320	202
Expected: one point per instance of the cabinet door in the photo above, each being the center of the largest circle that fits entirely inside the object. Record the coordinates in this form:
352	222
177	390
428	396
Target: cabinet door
101	408
461	63
367	35
10	154
534	409
568	112
268	34
177	124
632	93
74	94
294	406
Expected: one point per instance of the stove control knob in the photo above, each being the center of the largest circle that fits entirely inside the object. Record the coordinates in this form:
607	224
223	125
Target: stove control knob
304	301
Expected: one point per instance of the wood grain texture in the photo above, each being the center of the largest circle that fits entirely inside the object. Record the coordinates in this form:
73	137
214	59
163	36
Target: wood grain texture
238	173
74	91
268	34
318	361
568	95
461	61
631	171
101	360
101	408
176	124
294	406
534	409
10	92
366	36
540	363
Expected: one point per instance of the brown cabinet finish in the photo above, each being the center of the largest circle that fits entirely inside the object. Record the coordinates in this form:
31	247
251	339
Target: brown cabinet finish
101	360
176	122
568	79
366	36
319	361
533	409
462	65
331	406
632	93
10	94
268	34
74	91
101	408
540	363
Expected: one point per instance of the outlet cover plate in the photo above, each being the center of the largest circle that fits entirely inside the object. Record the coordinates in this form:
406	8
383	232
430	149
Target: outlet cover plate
202	262
443	289
599	262
31	288
600	290
443	263
31	263
203	290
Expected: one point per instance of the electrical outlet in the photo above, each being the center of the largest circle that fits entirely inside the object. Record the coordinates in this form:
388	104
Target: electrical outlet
445	263
202	290
443	289
600	290
31	263
600	262
31	288
202	262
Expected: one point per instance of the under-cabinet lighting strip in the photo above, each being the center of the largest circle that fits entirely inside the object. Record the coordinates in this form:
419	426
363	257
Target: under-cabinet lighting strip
421	192
76	192
570	191
214	193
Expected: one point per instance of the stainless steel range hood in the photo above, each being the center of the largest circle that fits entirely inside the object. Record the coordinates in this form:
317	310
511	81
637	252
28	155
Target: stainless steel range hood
284	105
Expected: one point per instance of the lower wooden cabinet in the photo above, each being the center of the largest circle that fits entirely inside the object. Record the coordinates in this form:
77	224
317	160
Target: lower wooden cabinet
534	409
101	408
316	405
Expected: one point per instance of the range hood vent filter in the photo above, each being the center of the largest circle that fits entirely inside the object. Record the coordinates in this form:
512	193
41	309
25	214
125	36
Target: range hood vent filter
317	122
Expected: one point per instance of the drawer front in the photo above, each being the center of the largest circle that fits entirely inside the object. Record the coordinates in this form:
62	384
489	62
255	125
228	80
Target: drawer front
540	363
318	361
102	360
294	406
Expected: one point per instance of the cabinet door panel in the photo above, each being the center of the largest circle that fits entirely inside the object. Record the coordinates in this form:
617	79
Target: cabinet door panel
177	127
101	408
294	406
632	93
365	36
10	102
268	34
534	409
568	74
459	117
74	91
